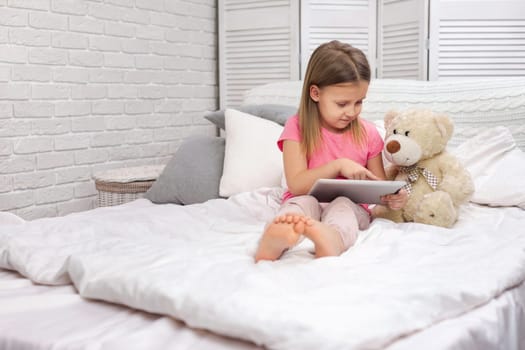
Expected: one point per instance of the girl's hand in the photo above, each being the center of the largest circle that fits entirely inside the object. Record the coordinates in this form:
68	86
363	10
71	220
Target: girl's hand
396	201
353	171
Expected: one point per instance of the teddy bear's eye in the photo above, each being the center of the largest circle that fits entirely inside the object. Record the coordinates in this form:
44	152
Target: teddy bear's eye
407	132
395	131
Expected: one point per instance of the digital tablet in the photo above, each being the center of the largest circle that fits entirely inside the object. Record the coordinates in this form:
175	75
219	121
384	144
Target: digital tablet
359	191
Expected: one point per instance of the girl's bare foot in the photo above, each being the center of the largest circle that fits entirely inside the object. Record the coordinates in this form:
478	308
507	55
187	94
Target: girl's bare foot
327	240
281	234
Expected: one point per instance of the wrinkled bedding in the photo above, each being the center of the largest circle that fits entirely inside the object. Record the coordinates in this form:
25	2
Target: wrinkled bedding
195	263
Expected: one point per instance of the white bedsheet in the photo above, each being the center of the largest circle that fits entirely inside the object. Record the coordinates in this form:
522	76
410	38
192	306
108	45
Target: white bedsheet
36	317
196	263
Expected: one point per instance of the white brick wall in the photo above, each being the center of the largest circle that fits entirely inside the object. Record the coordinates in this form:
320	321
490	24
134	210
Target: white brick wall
90	85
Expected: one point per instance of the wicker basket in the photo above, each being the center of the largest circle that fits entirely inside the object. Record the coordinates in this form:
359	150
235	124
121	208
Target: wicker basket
119	186
115	193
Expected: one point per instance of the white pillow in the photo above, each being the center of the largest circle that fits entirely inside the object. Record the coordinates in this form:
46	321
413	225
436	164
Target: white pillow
497	167
251	156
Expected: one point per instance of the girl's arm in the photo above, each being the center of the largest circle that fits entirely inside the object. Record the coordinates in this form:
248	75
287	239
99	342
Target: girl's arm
375	165
300	179
393	201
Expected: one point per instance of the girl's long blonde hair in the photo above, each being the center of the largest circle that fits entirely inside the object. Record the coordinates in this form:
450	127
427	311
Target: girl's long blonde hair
331	63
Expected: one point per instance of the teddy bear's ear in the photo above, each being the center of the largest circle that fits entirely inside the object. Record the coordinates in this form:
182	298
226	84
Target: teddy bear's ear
445	125
389	117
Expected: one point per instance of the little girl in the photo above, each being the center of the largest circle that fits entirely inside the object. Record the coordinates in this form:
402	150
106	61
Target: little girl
327	139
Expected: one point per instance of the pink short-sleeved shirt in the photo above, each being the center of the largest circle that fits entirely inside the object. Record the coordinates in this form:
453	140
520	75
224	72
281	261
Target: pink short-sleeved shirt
335	145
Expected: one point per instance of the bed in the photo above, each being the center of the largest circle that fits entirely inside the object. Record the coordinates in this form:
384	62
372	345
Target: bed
176	270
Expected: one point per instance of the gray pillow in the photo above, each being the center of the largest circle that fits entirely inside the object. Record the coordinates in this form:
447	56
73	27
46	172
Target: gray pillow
194	173
273	112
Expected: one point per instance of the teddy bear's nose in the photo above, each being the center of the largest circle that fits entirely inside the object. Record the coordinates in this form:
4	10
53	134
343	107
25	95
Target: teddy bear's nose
393	146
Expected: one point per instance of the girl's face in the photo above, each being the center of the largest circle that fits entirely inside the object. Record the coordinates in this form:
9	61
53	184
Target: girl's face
339	104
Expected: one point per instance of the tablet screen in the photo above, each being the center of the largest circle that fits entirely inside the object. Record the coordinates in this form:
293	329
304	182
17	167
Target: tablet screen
359	191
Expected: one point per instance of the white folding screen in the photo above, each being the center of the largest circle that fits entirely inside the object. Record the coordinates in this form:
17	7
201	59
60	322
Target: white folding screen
351	21
258	43
402	39
483	38
261	41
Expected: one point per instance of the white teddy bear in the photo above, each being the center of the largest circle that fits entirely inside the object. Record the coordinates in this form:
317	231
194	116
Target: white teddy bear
437	183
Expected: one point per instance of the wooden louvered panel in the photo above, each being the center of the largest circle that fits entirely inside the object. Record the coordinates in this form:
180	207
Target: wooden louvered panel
252	4
390	2
337	4
400	51
255	57
356	36
257	45
350	21
481	48
485	39
401	39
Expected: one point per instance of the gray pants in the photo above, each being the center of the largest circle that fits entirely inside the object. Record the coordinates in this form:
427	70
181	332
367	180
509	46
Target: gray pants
342	214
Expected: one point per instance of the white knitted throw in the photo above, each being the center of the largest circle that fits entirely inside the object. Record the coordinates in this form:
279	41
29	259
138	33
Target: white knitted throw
473	104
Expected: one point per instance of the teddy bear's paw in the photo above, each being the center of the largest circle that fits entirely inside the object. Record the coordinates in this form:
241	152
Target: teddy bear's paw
436	209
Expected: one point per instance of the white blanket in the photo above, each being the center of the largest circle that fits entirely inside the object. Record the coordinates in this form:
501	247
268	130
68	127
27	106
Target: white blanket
195	263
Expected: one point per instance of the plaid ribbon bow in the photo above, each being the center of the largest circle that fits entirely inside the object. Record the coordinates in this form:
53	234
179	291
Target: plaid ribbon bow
413	172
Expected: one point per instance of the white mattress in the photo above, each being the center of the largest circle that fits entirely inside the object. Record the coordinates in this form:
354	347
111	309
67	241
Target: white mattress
41	317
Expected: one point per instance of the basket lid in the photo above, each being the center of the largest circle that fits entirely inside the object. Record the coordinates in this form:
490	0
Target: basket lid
130	174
